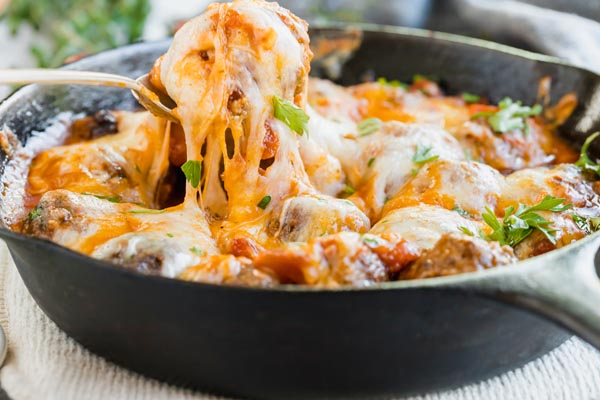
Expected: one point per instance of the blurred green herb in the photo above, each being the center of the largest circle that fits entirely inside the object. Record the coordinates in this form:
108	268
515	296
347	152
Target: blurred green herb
72	27
510	116
585	162
470	98
368	126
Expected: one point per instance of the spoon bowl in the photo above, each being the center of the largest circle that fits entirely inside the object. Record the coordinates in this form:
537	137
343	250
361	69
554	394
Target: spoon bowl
152	99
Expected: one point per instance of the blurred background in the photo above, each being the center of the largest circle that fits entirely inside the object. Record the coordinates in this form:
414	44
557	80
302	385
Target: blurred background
49	33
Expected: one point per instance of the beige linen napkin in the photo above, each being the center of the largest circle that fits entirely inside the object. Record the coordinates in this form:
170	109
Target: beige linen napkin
44	363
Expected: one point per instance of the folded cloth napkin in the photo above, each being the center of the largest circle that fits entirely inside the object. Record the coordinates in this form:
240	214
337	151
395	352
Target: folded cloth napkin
44	363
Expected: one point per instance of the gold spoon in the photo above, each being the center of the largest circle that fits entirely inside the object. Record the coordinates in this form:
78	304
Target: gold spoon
159	104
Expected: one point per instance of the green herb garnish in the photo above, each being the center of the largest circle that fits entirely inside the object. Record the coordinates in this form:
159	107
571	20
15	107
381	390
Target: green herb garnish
264	202
347	191
146	211
423	155
470	98
370	162
587	225
585	162
394	83
170	235
35	213
466	230
510	116
192	170
370	241
290	114
112	199
460	211
196	251
520	223
368	126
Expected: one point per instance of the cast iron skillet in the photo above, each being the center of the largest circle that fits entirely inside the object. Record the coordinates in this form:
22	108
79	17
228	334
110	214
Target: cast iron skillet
295	342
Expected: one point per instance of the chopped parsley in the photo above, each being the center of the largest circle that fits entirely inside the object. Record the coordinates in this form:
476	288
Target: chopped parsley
460	211
370	162
423	155
196	251
370	241
587	225
170	235
519	223
347	191
368	126
35	213
470	98
264	202
585	162
466	230
192	170
510	116
290	114
112	199
394	83
146	211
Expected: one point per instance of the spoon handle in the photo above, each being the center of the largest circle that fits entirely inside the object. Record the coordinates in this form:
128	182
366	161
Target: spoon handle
65	77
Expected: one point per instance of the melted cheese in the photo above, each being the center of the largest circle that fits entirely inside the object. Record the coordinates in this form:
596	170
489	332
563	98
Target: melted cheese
127	165
223	70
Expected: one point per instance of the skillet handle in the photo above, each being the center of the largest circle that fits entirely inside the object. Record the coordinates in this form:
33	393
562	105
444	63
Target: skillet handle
562	285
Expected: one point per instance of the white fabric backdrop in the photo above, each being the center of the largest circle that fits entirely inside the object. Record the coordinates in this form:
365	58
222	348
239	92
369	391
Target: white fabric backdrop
43	363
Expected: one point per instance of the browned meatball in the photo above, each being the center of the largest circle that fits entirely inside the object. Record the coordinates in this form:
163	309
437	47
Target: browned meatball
455	253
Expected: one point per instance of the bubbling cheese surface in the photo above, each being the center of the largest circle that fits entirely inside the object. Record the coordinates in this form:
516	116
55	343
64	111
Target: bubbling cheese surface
336	204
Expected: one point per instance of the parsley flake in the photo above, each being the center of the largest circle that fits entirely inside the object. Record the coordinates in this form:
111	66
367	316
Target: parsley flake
196	251
35	213
170	235
587	225
368	126
347	191
510	116
146	211
290	114
370	241
460	211
370	162
466	230
423	155
394	83
264	202
112	199
585	162
192	170
470	98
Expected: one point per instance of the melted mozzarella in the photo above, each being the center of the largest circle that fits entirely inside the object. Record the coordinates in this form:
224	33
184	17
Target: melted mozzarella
465	186
222	89
423	225
129	164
